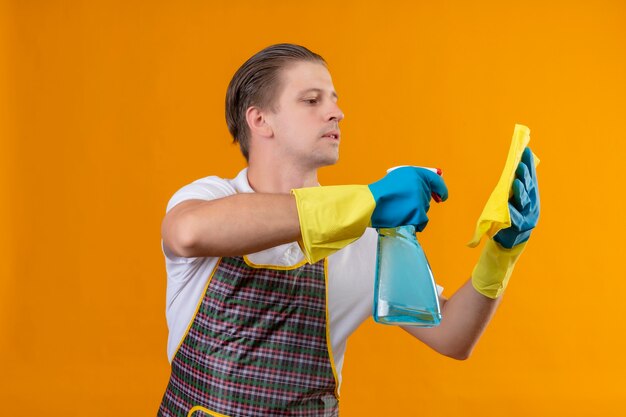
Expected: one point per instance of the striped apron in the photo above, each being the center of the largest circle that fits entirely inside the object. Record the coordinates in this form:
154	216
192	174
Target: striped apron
258	345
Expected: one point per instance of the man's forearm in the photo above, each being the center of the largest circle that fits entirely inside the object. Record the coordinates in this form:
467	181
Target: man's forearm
464	318
232	226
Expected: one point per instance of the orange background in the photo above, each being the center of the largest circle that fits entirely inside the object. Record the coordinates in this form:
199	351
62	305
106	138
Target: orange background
108	107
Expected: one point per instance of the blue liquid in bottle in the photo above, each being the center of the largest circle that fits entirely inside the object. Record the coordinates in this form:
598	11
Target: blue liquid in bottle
404	287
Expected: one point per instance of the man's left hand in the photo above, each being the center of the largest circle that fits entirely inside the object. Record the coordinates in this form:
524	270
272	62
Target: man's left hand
523	204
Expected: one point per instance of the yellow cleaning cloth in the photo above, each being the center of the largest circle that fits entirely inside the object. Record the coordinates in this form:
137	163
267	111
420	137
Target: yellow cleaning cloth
495	215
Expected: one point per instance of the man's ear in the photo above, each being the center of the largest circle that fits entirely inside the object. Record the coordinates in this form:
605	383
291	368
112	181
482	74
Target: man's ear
258	123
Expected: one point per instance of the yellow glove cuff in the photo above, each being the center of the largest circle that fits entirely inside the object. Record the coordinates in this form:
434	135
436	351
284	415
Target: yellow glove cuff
491	273
332	217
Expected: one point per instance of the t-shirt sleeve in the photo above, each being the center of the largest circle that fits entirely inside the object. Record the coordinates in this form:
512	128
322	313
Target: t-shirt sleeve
209	188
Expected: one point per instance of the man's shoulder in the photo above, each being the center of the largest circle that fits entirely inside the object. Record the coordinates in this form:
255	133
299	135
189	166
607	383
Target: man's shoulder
207	188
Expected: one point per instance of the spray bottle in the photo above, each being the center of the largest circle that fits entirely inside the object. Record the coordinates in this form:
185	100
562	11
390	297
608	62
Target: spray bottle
405	292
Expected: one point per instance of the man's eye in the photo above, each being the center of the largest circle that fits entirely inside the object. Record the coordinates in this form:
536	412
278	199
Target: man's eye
311	100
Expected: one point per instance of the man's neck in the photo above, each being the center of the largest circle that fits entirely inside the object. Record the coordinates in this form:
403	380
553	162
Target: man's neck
280	179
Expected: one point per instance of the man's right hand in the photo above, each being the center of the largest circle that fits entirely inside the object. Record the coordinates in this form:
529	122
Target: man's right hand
403	197
333	217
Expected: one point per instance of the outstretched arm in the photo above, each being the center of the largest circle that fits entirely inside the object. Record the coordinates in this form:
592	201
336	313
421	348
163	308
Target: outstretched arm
321	219
231	226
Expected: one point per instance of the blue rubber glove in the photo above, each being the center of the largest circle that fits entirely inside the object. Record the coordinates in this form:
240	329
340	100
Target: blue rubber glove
403	197
523	204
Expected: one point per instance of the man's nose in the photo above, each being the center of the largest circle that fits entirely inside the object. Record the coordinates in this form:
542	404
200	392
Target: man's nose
335	113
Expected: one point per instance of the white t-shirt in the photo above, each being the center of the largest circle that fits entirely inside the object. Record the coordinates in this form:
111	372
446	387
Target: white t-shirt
350	273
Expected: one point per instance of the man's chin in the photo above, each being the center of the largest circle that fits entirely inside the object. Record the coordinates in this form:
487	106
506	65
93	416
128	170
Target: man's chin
323	159
328	161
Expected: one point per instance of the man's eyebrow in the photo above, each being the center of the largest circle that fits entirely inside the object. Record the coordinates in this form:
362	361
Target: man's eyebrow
317	90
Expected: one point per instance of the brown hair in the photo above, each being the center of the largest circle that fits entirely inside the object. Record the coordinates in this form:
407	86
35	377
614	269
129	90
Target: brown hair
257	83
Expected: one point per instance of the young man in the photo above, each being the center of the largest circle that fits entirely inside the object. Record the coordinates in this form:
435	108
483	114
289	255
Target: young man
269	273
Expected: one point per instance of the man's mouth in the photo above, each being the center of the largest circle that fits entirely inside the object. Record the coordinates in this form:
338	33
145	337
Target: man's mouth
333	134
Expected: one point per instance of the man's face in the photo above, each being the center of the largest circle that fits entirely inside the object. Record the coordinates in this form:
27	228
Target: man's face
306	121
